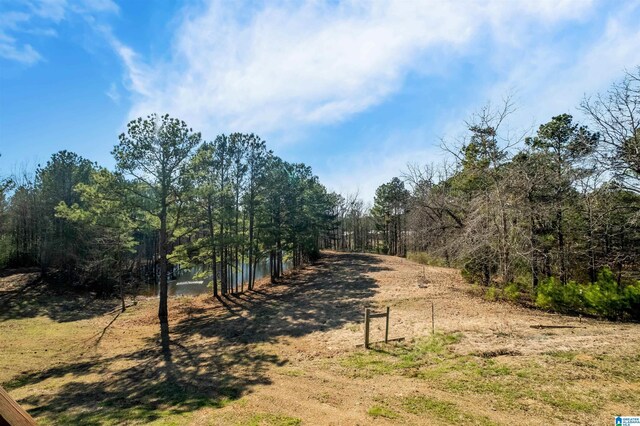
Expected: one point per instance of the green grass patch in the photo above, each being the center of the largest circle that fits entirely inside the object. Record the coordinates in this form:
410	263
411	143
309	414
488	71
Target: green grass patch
380	411
291	372
268	419
569	403
368	364
564	355
442	410
400	359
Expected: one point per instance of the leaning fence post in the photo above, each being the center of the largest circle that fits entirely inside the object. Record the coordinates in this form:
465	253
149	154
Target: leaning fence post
366	328
386	330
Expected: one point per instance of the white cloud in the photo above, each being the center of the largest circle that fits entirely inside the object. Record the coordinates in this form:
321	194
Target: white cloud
553	78
550	76
137	79
53	10
24	53
34	18
113	93
549	80
287	65
10	48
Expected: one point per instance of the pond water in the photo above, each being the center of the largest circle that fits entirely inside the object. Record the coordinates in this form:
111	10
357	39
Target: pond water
186	285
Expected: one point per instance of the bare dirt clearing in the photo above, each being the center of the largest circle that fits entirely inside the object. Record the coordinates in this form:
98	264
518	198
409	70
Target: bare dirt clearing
285	354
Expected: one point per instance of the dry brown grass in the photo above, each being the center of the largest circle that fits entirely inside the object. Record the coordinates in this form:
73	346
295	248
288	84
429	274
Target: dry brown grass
285	354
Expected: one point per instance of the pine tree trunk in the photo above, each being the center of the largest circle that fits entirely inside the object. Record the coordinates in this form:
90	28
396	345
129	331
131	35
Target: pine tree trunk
163	313
214	271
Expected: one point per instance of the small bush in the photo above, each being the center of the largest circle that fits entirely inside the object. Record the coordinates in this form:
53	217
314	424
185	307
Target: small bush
512	292
553	295
604	298
491	294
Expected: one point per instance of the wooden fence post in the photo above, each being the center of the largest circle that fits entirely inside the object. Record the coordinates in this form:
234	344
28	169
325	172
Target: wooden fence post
366	328
386	330
433	319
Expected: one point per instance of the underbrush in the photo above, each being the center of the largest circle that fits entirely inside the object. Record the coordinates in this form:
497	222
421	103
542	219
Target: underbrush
427	259
604	298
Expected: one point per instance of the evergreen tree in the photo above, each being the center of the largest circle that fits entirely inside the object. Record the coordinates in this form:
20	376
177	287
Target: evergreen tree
153	153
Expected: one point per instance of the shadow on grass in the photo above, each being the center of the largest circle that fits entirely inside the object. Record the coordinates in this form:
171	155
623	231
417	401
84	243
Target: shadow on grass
32	297
164	378
330	296
210	357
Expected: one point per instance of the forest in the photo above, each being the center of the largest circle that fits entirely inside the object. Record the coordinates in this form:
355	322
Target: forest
550	217
174	201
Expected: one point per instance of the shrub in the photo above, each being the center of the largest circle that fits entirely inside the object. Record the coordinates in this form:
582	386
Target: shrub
553	295
604	298
632	296
491	294
426	258
512	291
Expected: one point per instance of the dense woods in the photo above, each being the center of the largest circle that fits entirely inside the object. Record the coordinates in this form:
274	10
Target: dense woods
173	201
552	217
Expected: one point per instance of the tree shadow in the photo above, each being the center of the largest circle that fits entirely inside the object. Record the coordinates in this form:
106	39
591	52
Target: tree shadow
32	297
165	377
328	297
211	355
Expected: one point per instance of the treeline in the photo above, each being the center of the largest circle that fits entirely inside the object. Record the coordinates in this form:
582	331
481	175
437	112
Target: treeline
553	216
379	228
173	201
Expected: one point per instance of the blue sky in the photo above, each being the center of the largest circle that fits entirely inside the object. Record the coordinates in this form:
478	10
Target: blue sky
355	89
